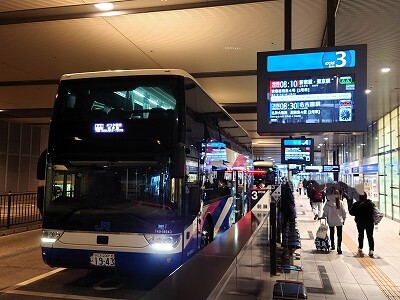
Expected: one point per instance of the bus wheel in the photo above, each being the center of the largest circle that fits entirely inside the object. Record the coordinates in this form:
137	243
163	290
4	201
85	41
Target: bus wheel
206	234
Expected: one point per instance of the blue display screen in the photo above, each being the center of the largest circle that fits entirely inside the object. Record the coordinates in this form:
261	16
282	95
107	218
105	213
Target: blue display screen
305	142
297	151
311	61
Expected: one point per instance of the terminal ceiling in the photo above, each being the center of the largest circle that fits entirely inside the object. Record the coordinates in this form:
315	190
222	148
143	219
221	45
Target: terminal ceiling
215	40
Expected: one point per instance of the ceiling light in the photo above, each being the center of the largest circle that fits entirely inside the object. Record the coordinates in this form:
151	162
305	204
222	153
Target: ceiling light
367	91
325	138
385	70
318	147
104	6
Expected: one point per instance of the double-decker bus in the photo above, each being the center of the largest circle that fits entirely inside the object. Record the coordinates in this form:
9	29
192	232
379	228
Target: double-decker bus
134	164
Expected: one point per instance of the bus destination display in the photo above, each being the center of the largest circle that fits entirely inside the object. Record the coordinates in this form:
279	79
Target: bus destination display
312	99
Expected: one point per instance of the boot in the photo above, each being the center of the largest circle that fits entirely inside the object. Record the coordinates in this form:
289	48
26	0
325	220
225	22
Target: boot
360	253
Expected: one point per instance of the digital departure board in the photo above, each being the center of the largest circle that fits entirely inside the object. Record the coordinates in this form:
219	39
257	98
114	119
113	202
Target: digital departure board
316	99
299	151
312	90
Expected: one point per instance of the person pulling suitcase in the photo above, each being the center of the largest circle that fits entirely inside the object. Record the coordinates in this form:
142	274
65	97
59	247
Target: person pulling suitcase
335	215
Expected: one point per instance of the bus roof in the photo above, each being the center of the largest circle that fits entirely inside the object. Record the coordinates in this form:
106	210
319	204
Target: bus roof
138	72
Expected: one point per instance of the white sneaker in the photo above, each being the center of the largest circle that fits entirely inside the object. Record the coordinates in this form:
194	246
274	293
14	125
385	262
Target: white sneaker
371	253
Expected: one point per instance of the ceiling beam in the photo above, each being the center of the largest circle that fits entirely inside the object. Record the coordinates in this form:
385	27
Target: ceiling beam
89	11
195	75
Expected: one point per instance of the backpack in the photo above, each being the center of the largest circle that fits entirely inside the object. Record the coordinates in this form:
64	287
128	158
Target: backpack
318	195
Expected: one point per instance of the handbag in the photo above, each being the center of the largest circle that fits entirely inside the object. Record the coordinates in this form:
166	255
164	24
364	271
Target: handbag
377	215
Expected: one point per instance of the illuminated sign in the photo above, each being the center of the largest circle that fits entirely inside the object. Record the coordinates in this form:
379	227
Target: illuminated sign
312	90
311	61
317	169
317	99
330	168
108	127
215	151
297	151
371	168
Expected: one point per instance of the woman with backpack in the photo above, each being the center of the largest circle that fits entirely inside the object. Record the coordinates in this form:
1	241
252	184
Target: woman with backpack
335	215
363	211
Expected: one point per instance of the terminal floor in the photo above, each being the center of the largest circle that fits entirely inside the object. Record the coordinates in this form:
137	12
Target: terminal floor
345	276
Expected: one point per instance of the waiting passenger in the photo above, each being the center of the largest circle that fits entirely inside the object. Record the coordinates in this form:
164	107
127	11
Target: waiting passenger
225	190
363	211
261	184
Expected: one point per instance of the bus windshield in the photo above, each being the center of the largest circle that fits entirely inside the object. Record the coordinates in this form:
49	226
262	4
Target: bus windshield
116	97
122	193
111	118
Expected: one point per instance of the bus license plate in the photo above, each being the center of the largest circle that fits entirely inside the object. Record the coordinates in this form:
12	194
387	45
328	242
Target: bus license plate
103	259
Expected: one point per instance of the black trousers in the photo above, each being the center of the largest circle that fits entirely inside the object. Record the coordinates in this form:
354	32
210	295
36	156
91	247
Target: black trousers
339	235
369	228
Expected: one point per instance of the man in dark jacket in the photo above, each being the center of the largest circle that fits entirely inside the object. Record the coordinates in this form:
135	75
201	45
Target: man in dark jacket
363	211
287	206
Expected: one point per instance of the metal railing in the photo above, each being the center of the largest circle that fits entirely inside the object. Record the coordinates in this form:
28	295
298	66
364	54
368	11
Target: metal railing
18	208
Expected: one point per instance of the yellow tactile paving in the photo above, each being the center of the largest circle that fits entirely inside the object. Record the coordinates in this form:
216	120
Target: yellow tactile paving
383	282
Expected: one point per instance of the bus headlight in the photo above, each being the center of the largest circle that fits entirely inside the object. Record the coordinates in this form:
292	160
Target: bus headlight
49	236
163	242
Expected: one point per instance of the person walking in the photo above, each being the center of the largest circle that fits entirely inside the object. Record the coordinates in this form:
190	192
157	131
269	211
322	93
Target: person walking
316	199
363	211
305	183
335	215
300	187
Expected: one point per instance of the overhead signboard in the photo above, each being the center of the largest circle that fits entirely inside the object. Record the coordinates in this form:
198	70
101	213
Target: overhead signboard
317	169
299	151
312	90
330	168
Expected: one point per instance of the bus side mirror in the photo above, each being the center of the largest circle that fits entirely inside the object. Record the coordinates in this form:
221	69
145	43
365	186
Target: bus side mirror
194	200
178	161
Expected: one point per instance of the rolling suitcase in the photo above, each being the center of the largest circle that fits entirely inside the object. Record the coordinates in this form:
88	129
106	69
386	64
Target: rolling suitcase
322	242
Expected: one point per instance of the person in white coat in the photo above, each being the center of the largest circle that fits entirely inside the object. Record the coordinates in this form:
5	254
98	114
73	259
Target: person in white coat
335	215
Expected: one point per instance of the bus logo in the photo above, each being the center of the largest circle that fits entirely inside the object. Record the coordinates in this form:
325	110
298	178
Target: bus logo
162	228
104	226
